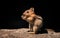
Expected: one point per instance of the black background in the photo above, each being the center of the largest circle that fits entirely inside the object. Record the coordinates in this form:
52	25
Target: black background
12	19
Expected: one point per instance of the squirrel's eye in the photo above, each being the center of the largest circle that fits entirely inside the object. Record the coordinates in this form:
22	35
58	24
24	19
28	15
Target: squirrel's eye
27	12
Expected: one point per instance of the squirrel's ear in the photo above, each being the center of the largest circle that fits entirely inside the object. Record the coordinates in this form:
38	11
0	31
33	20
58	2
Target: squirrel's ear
32	8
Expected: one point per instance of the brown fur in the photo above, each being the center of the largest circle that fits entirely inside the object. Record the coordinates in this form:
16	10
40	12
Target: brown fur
35	21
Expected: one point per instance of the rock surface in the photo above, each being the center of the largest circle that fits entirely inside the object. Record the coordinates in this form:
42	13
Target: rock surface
22	33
